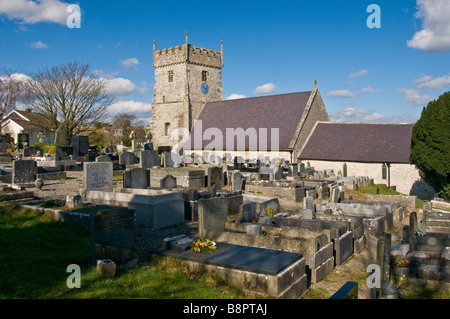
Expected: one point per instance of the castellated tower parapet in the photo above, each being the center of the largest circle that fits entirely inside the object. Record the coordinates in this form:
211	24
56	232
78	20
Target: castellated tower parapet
187	53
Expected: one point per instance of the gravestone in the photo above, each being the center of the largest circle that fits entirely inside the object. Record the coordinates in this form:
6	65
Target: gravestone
335	195
212	214
148	146
236	178
60	136
103	158
97	175
215	177
4	147
254	229
24	172
136	178
308	213
149	159
127	158
31	151
384	257
74	201
166	159
247	212
80	145
413	227
168	182
308	203
278	173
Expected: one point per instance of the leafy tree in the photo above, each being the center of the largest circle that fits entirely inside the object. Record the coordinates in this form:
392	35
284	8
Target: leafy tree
430	145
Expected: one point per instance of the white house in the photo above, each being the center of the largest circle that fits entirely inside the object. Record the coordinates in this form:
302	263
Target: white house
29	124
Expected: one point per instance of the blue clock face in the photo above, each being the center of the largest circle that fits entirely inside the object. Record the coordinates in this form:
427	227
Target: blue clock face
205	88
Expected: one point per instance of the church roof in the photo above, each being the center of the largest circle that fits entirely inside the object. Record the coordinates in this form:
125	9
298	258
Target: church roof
358	142
282	112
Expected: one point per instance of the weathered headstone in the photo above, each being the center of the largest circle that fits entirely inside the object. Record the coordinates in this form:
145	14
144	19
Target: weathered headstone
149	159
168	182
127	158
103	158
166	159
278	173
97	175
383	257
80	145
136	178
247	212
413	226
215	177
335	195
236	178
254	229
60	136
23	172
74	201
212	214
148	146
308	203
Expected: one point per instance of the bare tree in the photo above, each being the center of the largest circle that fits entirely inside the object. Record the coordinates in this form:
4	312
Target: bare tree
12	91
71	96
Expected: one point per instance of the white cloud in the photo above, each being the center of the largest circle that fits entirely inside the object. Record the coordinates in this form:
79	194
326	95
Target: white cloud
413	96
16	77
141	110
369	89
266	88
39	45
27	11
130	106
358	74
342	94
235	96
133	62
353	115
432	84
435	33
121	86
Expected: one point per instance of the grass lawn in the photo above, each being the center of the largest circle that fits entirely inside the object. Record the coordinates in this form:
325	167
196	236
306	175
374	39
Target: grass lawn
36	250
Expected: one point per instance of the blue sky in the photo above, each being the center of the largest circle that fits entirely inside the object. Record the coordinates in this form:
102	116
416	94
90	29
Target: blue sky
364	74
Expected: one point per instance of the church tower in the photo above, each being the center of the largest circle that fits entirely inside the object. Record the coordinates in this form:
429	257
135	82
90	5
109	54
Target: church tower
186	77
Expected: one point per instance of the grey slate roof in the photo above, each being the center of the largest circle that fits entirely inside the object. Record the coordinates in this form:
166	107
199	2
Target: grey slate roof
359	142
281	111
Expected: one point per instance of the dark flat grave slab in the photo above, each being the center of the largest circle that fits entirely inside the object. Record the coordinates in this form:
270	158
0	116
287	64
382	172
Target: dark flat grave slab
258	260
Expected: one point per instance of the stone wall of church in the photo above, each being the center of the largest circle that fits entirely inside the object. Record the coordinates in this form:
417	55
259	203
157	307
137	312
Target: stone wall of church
403	176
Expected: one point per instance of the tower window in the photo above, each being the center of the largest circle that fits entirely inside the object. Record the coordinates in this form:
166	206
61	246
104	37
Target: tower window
170	76
204	76
166	128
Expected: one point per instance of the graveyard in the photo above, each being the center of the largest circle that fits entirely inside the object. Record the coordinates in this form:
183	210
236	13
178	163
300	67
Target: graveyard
274	229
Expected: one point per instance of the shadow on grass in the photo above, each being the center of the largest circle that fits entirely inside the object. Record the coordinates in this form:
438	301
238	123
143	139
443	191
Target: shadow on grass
35	252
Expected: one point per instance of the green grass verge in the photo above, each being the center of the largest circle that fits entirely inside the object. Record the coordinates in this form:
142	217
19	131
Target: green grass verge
36	250
382	190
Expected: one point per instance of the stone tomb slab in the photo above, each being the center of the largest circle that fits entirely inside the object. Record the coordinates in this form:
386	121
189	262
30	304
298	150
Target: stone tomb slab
259	260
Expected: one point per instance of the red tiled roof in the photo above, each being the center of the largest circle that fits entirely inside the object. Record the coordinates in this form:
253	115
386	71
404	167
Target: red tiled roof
359	142
282	111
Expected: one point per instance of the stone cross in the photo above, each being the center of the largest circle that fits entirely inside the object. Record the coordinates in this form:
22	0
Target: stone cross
41	136
148	136
133	137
